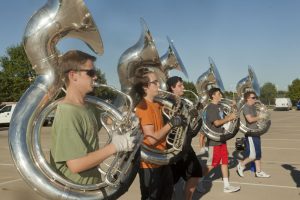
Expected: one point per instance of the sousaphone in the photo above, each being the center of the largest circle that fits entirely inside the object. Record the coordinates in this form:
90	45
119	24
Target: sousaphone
172	61
56	20
250	83
142	55
211	78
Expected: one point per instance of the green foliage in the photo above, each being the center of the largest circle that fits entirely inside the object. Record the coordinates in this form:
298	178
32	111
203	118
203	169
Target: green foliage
281	93
268	92
191	87
294	91
230	95
103	93
15	73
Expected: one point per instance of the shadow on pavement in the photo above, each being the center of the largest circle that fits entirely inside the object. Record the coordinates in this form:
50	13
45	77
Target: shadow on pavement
295	174
4	128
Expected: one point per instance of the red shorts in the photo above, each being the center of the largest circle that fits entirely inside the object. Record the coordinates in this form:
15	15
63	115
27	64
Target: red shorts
217	154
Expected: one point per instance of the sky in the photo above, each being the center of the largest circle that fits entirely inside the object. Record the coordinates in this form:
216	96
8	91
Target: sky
264	34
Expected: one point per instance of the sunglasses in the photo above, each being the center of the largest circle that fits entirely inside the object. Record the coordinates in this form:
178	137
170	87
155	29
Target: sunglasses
90	72
154	82
252	97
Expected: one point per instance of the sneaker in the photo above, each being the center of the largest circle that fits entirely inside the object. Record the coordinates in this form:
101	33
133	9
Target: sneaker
230	189
262	174
200	187
240	170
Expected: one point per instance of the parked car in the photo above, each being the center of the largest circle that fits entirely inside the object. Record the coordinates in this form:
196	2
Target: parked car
283	104
1	106
6	114
298	105
49	119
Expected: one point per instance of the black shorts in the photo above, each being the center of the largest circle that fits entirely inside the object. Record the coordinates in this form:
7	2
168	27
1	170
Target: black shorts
156	183
188	166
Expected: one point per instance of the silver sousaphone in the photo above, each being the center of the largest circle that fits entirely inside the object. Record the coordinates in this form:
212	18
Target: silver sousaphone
211	78
250	83
172	61
145	55
178	138
141	55
207	80
56	20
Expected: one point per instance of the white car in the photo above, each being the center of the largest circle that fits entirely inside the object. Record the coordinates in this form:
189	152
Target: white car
6	114
283	104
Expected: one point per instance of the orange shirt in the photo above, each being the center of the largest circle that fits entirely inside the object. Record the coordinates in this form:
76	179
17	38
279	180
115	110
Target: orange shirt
149	113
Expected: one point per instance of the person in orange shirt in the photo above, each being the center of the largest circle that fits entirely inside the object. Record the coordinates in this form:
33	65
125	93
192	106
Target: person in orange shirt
156	182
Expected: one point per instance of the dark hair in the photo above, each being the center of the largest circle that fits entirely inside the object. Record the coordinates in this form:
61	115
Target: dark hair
141	80
172	81
247	95
212	91
73	60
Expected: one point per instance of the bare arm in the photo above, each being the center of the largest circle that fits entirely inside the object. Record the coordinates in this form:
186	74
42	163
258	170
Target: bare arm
201	139
91	159
226	119
153	137
251	119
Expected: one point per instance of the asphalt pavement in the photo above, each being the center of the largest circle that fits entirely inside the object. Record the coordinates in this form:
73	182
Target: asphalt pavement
280	147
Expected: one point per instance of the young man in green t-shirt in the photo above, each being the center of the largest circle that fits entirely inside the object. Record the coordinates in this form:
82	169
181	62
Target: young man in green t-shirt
75	152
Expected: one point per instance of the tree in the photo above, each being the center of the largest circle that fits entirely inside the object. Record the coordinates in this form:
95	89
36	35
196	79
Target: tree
103	93
281	93
230	95
294	91
191	87
15	74
268	93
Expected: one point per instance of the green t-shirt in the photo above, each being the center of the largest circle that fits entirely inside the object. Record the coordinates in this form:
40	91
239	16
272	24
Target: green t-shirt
74	134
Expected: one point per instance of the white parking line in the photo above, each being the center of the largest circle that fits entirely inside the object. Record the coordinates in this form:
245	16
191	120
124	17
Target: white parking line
280	148
12	181
261	185
281	139
2	178
283	119
6	164
285	126
275	148
289	134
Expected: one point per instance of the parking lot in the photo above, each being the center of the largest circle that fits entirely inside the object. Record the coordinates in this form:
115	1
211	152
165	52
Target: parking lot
280	147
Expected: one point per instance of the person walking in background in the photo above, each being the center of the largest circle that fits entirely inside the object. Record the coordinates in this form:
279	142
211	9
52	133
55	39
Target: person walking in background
217	151
253	143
